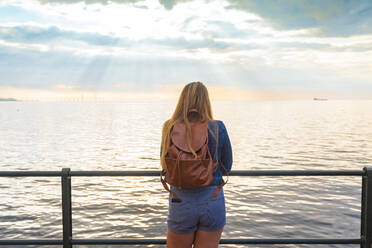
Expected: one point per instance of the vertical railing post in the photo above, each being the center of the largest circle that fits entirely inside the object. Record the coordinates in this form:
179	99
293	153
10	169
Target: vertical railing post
66	208
366	211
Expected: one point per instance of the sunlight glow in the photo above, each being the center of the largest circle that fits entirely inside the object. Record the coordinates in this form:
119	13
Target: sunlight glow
207	41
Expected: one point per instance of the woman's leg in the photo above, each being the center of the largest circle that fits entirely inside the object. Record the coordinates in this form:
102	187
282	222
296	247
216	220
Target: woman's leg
207	239
176	240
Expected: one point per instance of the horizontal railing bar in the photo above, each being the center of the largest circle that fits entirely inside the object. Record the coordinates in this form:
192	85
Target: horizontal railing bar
152	173
30	173
163	241
31	242
222	241
148	173
297	173
290	241
232	173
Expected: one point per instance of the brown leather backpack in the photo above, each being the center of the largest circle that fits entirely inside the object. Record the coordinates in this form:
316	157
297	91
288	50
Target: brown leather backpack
183	169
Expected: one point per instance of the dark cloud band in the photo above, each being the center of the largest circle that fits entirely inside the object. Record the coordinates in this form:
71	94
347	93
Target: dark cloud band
328	17
54	35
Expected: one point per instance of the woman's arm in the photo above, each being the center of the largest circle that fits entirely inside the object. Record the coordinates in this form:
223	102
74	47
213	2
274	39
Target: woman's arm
226	153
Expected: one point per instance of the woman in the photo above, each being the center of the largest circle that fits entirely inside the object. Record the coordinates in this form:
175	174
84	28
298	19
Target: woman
198	219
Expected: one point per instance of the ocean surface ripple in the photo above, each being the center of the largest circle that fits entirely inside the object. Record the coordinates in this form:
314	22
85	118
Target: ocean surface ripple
270	135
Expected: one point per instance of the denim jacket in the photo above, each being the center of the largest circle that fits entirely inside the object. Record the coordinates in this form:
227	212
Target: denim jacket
224	151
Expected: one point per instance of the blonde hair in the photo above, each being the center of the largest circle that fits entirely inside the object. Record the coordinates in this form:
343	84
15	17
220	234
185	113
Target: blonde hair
193	96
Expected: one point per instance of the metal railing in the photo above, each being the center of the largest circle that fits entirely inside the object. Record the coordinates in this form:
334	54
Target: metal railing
365	239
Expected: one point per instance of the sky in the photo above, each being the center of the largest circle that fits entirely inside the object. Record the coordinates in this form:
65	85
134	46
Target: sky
149	49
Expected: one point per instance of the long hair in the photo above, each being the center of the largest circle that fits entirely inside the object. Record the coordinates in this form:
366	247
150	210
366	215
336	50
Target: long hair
194	95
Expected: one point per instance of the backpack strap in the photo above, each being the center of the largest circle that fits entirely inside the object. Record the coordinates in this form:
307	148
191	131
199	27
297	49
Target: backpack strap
217	190
174	196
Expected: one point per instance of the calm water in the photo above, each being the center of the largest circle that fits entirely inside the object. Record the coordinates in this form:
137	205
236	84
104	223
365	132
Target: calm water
126	136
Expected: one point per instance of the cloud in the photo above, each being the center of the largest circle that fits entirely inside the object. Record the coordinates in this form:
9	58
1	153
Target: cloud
325	18
12	13
328	18
222	29
168	4
105	2
55	35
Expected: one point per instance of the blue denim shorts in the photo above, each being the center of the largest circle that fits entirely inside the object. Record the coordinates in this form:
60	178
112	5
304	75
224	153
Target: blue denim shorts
197	210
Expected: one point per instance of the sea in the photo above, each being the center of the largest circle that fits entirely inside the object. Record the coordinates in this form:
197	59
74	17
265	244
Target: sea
265	135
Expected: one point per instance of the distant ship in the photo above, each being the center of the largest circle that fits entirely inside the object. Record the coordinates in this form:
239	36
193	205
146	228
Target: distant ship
7	99
320	99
